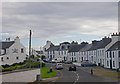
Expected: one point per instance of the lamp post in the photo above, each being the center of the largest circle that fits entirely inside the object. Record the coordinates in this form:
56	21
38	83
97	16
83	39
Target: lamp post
30	49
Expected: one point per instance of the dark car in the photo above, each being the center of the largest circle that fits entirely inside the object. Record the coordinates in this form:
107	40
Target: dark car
72	68
87	64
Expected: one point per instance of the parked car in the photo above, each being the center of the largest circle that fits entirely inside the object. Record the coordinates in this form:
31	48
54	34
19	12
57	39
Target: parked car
68	62
72	68
45	60
59	66
87	63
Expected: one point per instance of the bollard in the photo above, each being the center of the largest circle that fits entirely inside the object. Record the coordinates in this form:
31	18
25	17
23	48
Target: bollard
38	77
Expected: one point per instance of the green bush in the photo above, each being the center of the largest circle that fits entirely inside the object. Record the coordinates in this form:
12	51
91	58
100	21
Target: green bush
7	69
14	64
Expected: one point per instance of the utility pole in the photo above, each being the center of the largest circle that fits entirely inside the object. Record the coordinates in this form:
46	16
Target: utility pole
30	49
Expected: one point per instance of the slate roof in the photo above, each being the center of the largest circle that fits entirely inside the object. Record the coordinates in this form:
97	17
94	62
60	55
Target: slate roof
76	47
105	42
86	47
4	45
64	48
100	44
115	46
53	48
39	52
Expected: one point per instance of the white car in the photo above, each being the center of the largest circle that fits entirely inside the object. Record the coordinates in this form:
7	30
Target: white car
59	66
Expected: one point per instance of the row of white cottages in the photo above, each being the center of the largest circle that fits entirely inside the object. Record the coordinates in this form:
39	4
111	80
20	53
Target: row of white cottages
105	52
12	51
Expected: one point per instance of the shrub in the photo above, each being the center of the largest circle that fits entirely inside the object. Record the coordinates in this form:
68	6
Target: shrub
14	64
5	66
18	67
7	69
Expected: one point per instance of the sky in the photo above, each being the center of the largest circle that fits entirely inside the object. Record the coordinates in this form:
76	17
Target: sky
58	21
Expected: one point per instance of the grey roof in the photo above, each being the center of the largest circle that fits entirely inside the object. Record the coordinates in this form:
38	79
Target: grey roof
53	48
4	45
64	48
76	47
39	52
105	42
115	46
95	45
86	47
100	44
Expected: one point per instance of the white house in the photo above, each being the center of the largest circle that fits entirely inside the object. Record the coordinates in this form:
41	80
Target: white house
52	53
37	53
73	52
101	51
47	45
12	51
83	53
113	56
63	50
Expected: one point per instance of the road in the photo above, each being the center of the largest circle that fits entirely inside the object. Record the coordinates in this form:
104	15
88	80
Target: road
77	76
81	75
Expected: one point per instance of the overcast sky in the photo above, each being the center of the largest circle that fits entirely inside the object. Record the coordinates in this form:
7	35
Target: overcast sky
59	21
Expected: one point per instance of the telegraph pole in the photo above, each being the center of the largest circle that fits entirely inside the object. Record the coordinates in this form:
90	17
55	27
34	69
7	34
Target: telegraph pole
30	49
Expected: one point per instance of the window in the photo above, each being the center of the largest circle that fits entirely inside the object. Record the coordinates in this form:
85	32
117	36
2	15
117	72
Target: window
26	58
53	56
107	54
17	58
107	63
62	47
2	59
15	50
68	46
22	51
113	54
7	58
50	52
110	54
59	52
113	63
62	52
72	53
98	52
53	52
65	52
119	53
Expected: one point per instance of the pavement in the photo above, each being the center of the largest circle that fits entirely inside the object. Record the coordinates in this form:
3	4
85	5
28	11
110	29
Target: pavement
24	77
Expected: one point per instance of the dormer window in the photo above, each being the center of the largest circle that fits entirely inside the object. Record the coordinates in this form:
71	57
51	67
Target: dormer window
2	59
15	50
22	51
7	58
17	58
62	47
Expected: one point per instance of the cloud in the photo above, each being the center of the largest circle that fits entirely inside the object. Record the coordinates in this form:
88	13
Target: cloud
59	20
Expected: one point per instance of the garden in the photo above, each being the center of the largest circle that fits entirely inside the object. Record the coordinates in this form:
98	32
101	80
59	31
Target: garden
22	65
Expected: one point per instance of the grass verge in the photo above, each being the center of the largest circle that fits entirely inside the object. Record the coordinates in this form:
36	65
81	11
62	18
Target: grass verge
45	74
106	73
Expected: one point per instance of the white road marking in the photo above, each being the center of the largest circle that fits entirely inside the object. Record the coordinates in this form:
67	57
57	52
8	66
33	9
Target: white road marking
77	77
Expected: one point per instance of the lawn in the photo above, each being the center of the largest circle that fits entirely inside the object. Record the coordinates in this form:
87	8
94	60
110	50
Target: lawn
106	72
45	74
